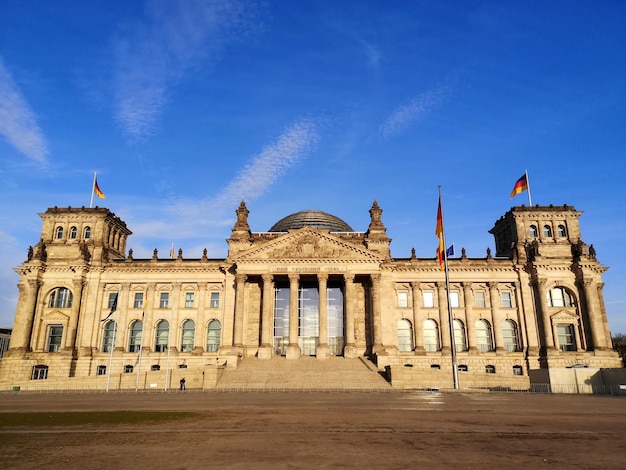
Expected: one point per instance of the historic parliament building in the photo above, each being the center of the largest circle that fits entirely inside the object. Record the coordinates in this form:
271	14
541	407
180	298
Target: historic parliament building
311	293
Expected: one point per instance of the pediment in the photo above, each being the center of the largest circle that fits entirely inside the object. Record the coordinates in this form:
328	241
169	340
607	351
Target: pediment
564	316
55	316
308	244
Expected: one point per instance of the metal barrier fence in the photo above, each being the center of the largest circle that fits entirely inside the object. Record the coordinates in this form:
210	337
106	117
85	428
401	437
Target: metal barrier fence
608	390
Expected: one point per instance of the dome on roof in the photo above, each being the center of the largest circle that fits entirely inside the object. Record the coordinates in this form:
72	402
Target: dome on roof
311	218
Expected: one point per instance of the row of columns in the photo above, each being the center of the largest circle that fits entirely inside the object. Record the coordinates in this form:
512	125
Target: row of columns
293	350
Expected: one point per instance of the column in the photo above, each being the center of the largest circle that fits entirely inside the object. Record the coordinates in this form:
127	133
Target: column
322	346
418	324
175	330
267	317
494	297
20	336
148	340
595	319
608	343
468	301
293	350
443	318
70	338
121	341
548	334
378	347
240	284
349	350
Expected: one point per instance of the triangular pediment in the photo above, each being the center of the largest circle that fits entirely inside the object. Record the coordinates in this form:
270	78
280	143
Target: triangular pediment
55	316
564	316
308	244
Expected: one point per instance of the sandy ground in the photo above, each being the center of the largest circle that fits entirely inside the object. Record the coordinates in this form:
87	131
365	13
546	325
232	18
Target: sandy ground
325	430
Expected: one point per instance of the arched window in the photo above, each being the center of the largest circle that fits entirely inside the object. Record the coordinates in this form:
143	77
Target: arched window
187	337
483	336
532	231
108	336
509	336
459	336
87	233
213	336
40	372
560	297
59	233
405	335
61	297
73	233
162	336
431	335
547	231
136	330
561	231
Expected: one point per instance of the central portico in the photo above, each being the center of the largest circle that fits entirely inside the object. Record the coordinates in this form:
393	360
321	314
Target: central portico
309	286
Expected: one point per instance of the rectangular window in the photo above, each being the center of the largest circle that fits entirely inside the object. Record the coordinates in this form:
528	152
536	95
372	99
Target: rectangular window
479	299
429	299
112	300
215	299
403	299
164	300
454	300
54	338
567	341
506	299
102	370
138	300
189	300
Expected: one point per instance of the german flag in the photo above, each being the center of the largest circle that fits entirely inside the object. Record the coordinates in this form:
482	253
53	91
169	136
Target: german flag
520	186
97	190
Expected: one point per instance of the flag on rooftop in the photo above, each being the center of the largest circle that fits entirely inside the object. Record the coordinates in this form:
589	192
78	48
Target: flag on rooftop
439	233
97	190
521	185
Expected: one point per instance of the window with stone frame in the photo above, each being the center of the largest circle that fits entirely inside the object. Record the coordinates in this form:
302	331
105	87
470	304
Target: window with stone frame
403	298
429	299
40	372
215	300
55	335
405	335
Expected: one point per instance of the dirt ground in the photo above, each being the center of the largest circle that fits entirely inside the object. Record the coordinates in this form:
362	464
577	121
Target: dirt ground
302	430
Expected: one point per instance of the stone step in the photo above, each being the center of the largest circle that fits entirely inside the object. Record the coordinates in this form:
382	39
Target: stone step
302	374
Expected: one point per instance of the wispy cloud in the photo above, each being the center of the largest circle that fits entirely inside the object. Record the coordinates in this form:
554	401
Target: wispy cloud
153	55
272	163
18	123
413	111
255	179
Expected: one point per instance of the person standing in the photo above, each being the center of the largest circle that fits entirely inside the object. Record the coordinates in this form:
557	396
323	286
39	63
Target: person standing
182	383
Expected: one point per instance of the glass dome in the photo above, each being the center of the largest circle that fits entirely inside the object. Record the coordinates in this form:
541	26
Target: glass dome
311	218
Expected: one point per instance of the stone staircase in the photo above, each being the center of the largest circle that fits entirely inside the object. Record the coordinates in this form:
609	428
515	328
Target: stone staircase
305	373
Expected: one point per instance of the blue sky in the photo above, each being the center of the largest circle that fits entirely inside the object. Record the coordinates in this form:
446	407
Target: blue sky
186	108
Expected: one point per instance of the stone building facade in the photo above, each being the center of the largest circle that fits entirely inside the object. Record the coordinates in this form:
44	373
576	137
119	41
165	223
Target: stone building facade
88	312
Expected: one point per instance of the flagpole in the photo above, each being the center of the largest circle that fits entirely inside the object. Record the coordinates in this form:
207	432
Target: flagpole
455	371
93	188
530	201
